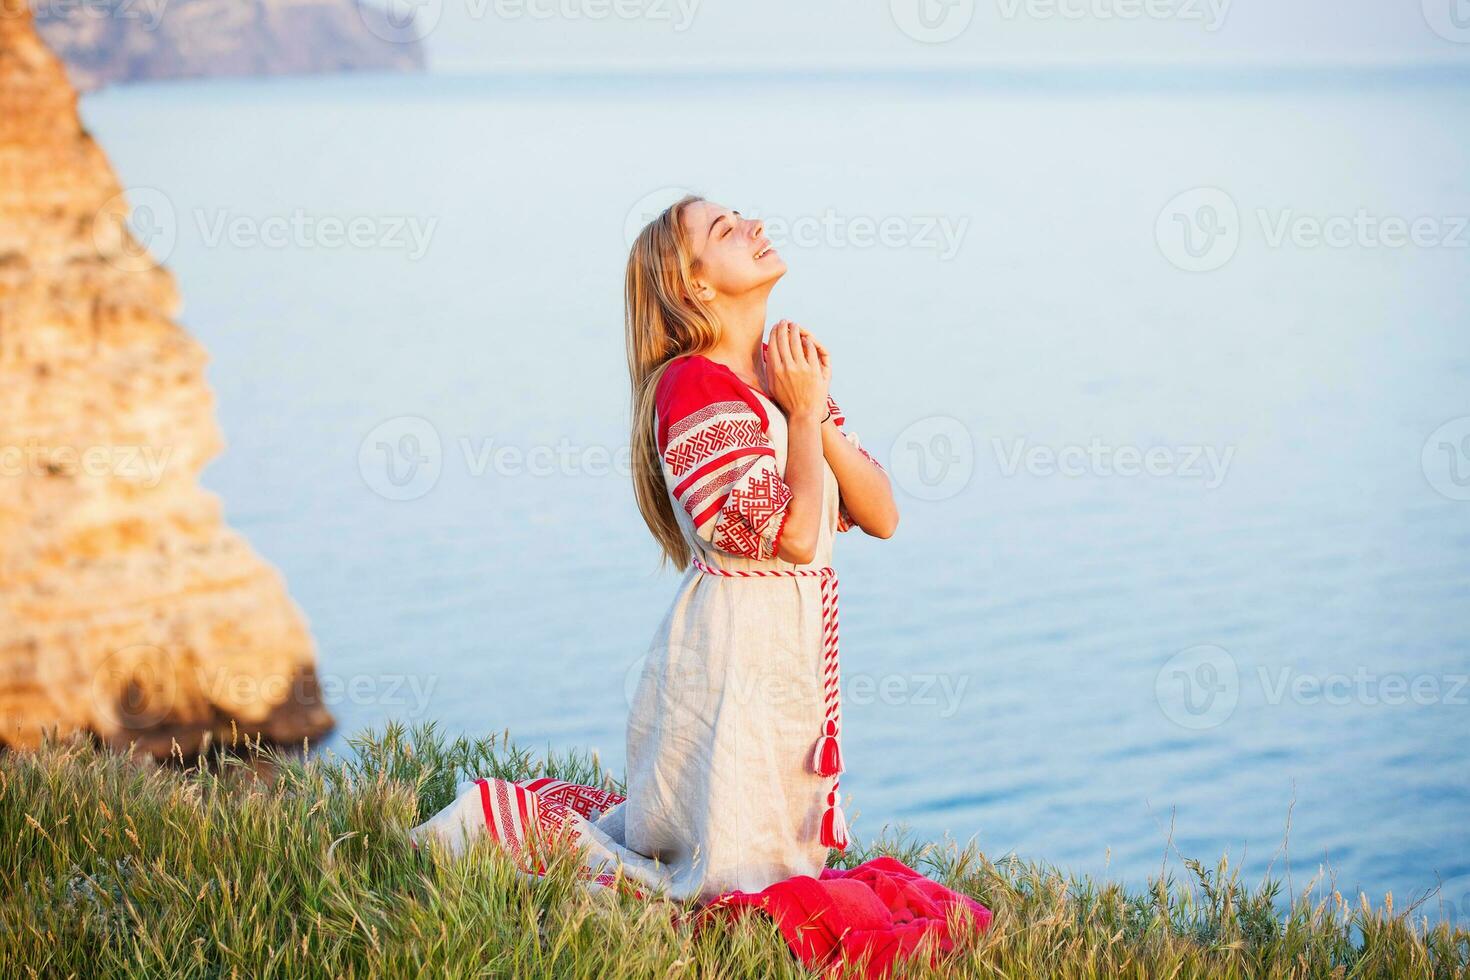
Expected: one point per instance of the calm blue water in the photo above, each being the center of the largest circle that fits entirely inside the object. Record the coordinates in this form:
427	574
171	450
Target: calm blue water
1271	622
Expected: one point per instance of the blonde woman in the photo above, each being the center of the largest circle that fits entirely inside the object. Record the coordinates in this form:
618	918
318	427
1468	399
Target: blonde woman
745	474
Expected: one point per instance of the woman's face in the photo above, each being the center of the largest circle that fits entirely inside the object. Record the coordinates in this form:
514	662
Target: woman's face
734	254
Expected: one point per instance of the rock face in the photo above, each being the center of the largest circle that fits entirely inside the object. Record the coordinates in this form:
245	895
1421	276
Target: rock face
105	41
127	608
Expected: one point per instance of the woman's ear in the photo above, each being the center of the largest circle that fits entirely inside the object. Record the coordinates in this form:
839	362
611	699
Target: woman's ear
703	291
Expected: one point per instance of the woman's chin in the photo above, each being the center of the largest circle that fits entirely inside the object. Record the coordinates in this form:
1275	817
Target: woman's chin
775	270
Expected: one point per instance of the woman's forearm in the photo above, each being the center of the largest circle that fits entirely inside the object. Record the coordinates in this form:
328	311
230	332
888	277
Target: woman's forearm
798	543
866	490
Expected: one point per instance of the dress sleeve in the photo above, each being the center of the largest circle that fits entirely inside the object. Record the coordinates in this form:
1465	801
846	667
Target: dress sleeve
718	459
844	519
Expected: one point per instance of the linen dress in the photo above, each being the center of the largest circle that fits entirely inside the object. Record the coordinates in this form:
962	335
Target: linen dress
721	791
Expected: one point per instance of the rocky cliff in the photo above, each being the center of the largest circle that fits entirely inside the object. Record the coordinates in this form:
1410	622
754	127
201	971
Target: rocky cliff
105	41
127	608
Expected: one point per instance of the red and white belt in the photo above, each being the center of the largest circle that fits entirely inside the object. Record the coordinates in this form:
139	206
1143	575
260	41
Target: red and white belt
826	757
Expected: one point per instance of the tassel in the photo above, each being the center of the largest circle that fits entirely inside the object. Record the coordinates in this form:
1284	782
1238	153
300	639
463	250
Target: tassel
827	755
834	825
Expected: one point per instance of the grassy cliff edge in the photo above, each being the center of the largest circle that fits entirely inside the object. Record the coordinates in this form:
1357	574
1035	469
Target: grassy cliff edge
260	864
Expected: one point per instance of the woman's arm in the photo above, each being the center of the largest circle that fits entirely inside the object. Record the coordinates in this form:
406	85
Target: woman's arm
794	373
865	488
866	491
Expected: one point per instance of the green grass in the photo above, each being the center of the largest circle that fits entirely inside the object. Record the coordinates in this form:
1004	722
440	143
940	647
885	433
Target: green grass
261	865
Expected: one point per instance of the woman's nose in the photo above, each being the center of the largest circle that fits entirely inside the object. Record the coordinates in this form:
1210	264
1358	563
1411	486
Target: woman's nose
757	228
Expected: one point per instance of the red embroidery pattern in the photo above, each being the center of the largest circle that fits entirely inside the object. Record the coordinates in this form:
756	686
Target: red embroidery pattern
716	486
723	434
699	416
718	459
741	526
586	801
525	817
837	415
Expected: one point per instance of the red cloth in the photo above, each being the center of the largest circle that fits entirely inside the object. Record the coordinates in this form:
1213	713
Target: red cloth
881	908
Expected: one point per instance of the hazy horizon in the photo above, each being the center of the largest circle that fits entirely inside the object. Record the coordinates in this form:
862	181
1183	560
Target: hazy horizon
477	36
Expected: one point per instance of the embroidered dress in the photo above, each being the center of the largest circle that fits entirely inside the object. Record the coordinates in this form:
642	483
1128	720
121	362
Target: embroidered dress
732	734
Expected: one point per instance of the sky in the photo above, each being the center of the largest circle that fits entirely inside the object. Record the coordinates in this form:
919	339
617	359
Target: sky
814	35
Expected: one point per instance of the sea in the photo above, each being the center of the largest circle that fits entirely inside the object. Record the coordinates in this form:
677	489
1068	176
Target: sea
1171	374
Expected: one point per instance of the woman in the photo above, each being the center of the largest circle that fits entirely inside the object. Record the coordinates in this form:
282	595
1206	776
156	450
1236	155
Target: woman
744	474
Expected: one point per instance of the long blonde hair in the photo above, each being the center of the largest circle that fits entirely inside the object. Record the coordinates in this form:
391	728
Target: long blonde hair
663	319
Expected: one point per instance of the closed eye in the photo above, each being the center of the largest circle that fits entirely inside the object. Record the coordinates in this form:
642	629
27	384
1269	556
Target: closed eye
729	223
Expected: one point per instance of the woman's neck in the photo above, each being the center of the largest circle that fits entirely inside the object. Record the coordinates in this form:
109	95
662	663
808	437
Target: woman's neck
742	328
